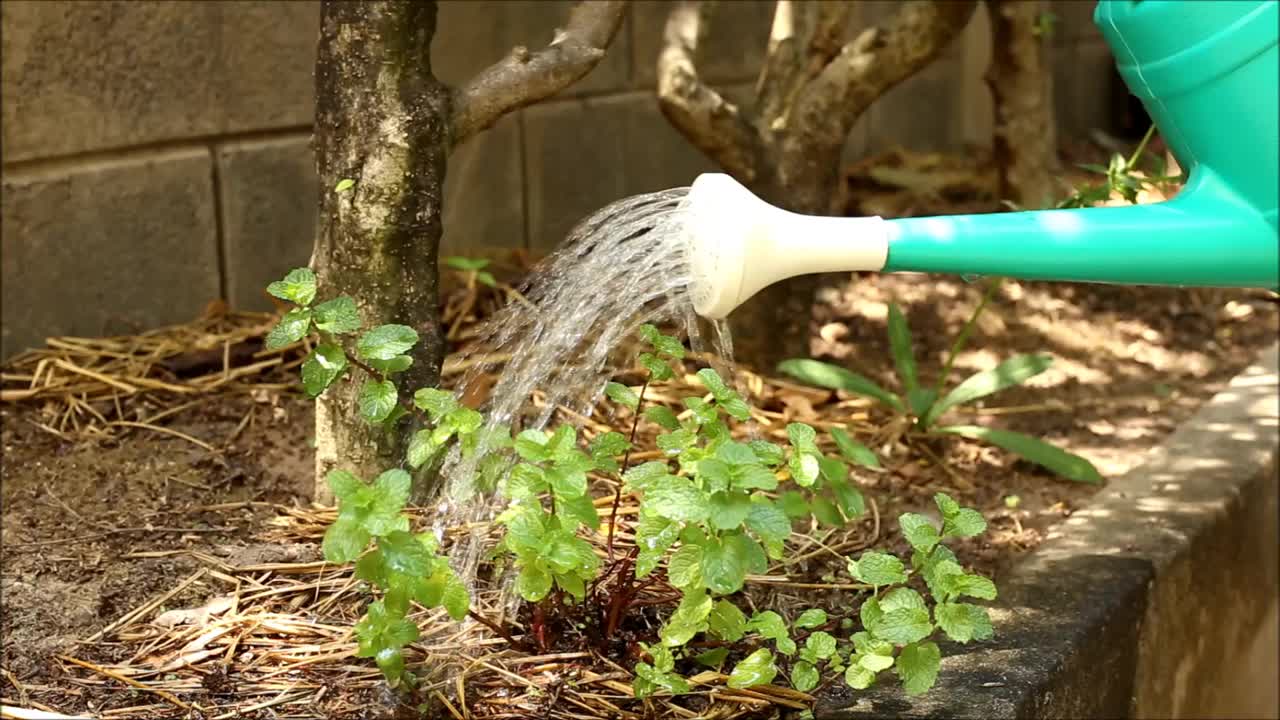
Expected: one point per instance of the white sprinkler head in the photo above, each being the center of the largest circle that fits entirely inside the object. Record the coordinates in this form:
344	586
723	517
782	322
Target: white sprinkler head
738	244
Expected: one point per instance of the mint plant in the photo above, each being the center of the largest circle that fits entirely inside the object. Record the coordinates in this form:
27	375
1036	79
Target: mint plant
1120	177
926	405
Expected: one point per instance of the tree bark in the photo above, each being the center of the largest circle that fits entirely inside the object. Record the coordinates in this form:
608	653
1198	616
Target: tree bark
1025	139
384	121
813	88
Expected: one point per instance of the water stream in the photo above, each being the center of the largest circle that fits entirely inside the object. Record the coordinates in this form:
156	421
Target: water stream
621	267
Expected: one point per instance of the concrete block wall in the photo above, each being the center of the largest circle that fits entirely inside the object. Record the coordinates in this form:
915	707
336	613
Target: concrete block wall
156	155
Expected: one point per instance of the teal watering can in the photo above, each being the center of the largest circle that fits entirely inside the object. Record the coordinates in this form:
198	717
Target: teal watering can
1206	71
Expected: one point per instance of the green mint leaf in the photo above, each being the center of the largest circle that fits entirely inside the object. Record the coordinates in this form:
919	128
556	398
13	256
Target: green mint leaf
677	499
965	523
292	327
826	512
658	369
875	663
338	316
298	287
391	491
715	384
567	483
386	341
941	576
833	470
803	437
918	666
578	508
531	445
974	586
755	669
344	541
729	509
323	366
712	658
622	395
456	600
724	569
879	569
402	553
344	185
664	344
646	476
715	474
768	521
610	444
525	482
486	278
663	417
727	621
793	504
918	531
464	420
435	402
753	477
397	364
684	569
566	553
704	413
768	453
752	553
676	442
854	451
963	622
391	662
689	619
821	644
344	485
812	618
903	625
946	505
858	677
852	504
901	597
736	408
804	469
771	626
533	584
376	400
804	676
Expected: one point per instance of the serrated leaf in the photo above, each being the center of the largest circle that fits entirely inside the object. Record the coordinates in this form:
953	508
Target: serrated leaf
802	437
298	287
715	384
1057	460
804	468
793	504
436	402
684	568
622	395
821	644
811	618
533	584
852	504
344	485
767	453
837	378
291	328
579	509
875	663
901	597
324	365
918	531
403	553
946	505
755	669
768	521
338	316
712	658
1014	371
724	568
658	369
664	344
804	676
852	450
689	619
610	444
973	586
662	416
900	347
727	621
386	341
344	540
903	625
736	408
456	601
376	400
870	613
965	523
960	621
677	499
729	509
826	512
770	625
391	490
645	476
397	364
344	185
879	569
858	677
918	666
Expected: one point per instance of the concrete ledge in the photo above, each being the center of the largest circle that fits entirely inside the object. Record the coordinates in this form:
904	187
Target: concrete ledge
1156	600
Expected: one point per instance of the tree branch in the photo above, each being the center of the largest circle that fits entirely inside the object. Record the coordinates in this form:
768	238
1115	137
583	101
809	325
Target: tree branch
523	78
876	61
805	36
715	126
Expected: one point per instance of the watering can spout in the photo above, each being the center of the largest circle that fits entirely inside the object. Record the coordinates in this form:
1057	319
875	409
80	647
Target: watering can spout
1206	73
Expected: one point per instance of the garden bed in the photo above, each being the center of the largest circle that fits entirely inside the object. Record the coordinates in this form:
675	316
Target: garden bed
107	527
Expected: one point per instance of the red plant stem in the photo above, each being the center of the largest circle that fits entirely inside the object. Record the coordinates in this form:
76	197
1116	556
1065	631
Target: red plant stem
626	461
500	630
540	627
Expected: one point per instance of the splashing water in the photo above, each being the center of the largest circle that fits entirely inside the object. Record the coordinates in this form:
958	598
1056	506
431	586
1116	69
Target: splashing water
623	266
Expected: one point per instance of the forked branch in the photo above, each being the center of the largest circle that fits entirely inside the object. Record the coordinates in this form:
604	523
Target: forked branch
523	77
716	126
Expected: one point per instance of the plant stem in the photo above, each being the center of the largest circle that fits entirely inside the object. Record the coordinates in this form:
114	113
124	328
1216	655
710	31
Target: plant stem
406	405
1137	153
962	338
626	461
500	630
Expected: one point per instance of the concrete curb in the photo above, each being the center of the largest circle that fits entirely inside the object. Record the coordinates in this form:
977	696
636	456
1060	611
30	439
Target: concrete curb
1156	600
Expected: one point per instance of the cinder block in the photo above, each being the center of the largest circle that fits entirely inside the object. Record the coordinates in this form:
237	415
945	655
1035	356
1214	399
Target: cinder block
270	202
107	248
484	192
732	51
82	76
473	34
585	154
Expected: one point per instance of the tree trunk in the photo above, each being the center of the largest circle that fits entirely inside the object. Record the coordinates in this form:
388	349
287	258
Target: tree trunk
1025	141
382	121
